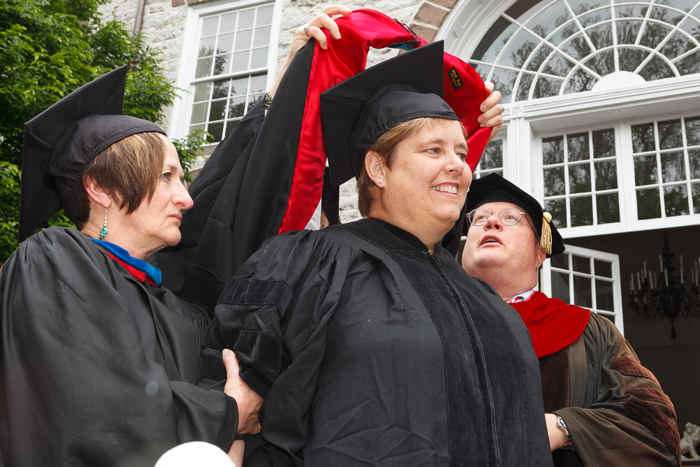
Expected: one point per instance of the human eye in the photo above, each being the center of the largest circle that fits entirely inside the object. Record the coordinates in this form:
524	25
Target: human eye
166	175
433	151
462	156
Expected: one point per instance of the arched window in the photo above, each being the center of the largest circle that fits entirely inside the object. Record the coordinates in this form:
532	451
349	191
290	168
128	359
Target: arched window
568	46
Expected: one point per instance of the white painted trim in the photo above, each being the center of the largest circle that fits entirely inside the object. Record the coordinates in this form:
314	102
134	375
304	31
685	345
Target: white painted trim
182	108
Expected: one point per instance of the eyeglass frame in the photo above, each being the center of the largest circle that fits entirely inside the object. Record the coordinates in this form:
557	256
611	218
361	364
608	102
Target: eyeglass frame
492	213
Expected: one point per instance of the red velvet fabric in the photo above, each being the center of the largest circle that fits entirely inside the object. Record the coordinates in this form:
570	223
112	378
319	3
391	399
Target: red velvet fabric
343	58
552	323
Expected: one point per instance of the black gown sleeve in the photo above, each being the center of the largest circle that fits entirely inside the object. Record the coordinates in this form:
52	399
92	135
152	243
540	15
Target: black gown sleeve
77	386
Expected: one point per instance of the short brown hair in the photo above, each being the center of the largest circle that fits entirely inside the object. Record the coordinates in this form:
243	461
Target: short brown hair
385	147
128	170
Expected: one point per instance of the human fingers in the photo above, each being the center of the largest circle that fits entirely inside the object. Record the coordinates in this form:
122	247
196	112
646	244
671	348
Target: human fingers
489	85
231	364
332	10
490	101
492	117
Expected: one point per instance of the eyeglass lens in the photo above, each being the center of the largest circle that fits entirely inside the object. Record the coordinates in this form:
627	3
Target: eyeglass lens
508	216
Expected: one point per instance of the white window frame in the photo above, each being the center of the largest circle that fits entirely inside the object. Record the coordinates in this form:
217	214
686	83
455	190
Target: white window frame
182	108
616	315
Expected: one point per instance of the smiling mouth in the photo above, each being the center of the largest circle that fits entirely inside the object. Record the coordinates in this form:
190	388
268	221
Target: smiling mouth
452	189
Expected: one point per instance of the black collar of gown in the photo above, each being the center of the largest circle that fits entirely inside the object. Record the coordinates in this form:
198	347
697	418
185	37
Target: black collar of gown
374	230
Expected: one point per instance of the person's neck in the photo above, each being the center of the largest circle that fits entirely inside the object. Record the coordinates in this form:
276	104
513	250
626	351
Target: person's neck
426	235
116	235
507	283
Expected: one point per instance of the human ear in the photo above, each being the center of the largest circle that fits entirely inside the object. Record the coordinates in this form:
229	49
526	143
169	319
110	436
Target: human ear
540	256
96	193
376	171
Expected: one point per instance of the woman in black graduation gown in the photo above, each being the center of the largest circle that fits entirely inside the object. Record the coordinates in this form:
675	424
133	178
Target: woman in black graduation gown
368	342
98	362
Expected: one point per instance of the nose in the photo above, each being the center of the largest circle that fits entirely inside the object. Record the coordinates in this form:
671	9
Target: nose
183	198
455	164
493	222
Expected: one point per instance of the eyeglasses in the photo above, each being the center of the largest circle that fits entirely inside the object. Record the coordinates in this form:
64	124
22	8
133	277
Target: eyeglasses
507	216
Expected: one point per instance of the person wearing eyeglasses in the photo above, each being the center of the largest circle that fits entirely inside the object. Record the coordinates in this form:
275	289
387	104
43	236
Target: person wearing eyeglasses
603	408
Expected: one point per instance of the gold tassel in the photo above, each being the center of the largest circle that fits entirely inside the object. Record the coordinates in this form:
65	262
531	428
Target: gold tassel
546	237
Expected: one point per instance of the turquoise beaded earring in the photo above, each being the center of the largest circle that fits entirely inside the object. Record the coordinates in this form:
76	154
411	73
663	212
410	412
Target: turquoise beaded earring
103	232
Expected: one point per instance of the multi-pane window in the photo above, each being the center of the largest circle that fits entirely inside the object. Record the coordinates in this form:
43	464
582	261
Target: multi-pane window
667	167
584	280
580	178
231	70
491	160
542	48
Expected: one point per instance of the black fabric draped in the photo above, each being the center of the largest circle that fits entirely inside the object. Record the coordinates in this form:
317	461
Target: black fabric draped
96	367
371	351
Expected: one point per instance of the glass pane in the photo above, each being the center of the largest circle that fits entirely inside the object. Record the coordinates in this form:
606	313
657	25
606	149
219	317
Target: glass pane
670	134
653	34
538	57
547	20
518	49
603	64
630	11
676	200
225	44
564	33
605	175
689	65
221	64
643	138
627	31
580	81
240	61
581	211
692	131
677	45
666	15
217	110
560	286
230	125
523	93
608	208
695	187
220	89
582	292
199	113
656	69
581	264
259	59
601	36
578	147
694	159
672	167
264	16
504	81
603	143
262	36
592	18
239	86
236	107
558	66
245	18
603	268
209	26
492	157
547	87
258	83
216	130
203	67
560	261
194	128
576	47
243	39
645	170
553	150
228	23
579	178
206	47
604	295
201	92
648	204
557	208
554	181
494	40
254	99
630	59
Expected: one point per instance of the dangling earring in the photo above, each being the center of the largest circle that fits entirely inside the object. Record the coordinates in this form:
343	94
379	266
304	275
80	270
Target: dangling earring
103	232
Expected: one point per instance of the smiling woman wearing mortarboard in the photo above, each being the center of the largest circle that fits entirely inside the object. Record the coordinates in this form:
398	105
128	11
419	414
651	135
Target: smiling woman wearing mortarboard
98	363
368	342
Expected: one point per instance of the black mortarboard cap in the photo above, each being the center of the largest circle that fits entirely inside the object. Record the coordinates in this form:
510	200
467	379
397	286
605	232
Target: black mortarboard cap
60	142
495	189
357	111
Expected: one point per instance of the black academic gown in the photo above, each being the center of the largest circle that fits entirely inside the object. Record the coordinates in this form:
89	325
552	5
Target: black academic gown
369	351
96	367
